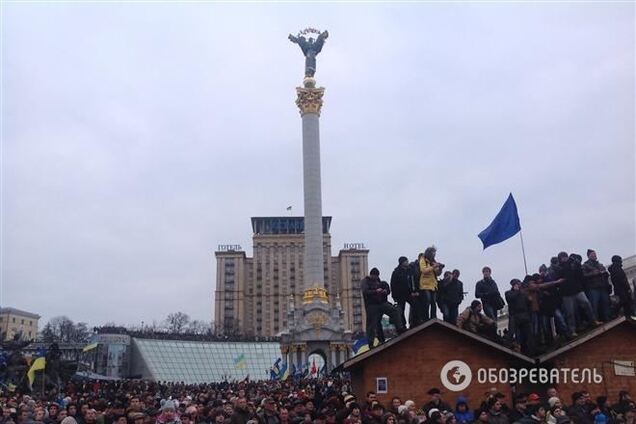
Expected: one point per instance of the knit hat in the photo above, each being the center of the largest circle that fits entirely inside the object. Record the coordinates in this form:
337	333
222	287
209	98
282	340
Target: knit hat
374	271
68	420
553	401
402	259
168	404
432	411
349	398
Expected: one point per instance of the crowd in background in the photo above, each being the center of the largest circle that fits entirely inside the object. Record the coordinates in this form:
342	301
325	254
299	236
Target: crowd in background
563	298
317	401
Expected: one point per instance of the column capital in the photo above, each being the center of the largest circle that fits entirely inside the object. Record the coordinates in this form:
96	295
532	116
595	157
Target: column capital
309	98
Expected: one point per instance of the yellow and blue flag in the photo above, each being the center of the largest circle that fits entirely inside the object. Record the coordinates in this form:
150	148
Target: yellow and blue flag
89	347
361	345
239	362
284	373
38	365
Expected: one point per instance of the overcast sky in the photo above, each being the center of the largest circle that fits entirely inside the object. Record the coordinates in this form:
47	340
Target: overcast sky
138	137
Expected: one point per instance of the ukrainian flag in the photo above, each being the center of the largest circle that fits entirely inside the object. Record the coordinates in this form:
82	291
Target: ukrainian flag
38	365
89	347
239	362
284	372
362	345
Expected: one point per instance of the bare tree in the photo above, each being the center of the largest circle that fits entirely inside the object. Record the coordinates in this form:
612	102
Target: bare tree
62	329
81	334
177	322
198	327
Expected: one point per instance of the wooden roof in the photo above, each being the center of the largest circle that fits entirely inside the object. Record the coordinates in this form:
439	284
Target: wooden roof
354	361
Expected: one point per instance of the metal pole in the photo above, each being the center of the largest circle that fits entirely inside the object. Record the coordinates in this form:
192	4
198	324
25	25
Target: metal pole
523	250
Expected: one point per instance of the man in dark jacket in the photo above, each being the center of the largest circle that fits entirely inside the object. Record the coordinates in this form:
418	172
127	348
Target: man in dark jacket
597	283
570	277
578	411
519	312
403	288
375	293
487	290
435	402
550	303
535	415
621	285
452	295
269	414
241	414
518	410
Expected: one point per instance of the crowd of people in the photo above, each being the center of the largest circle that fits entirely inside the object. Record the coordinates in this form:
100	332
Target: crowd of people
323	401
567	296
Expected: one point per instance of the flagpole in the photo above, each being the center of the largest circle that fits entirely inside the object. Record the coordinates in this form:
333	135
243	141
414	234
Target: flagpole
523	250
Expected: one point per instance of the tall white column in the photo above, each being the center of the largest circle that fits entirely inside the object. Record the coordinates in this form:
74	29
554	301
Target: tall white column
309	102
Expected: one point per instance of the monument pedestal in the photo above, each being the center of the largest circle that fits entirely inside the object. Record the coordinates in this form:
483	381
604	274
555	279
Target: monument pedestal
318	328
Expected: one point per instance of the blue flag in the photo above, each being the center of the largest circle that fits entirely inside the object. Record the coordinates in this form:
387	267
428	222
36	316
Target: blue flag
505	225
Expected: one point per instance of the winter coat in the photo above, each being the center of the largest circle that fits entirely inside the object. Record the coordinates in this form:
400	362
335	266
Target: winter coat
240	416
371	296
466	417
497	418
579	415
595	275
441	405
619	280
265	418
573	275
428	276
473	322
529	419
402	283
161	419
519	305
550	300
454	292
487	291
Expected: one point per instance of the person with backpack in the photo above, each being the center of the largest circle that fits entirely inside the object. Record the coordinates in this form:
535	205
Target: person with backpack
403	287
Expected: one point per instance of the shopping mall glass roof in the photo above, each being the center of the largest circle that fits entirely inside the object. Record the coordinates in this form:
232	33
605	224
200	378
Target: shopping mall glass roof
202	362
